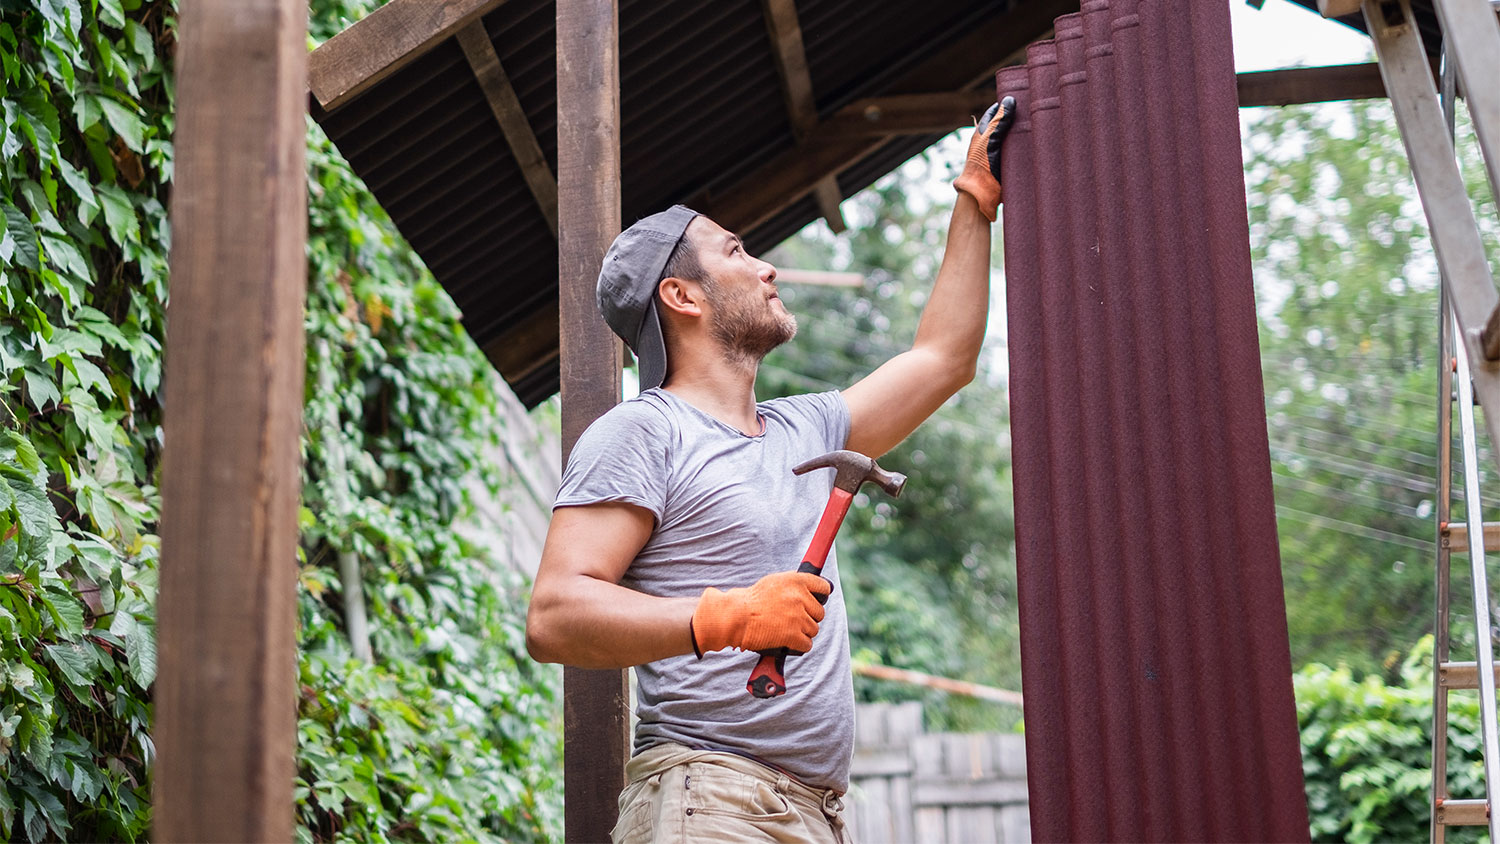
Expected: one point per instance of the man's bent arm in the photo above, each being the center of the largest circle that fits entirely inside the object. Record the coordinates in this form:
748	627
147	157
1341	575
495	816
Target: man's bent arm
579	613
889	403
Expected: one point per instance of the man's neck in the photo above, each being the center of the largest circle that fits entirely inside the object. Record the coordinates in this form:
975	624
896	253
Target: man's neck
721	388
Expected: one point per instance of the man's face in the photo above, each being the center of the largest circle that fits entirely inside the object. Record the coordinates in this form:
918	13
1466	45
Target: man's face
745	314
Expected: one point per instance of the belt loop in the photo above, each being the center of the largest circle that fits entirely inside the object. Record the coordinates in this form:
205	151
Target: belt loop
783	783
832	805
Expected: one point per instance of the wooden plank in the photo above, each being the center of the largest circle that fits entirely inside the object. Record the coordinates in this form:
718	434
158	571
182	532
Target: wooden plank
969	62
961	791
890	762
791	64
875	812
932	826
595	722
1010	755
1293	85
506	107
383	42
790	56
908	114
945	111
904	828
226	692
1015	825
903	723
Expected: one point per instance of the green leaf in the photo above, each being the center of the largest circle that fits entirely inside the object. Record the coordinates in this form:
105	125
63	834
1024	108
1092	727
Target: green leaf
66	257
111	13
66	611
125	122
73	661
41	387
19	227
119	215
140	650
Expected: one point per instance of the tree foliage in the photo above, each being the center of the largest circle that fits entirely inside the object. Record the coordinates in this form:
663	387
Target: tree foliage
446	734
1348	298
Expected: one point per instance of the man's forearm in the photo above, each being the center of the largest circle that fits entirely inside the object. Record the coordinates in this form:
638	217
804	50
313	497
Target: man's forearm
588	623
953	322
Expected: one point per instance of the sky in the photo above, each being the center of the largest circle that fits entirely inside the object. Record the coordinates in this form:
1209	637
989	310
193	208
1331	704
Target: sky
1284	34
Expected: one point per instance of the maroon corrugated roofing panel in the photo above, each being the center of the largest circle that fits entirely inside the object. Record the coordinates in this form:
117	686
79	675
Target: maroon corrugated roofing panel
1154	648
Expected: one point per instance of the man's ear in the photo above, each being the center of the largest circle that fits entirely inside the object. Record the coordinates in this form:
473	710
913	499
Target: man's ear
680	296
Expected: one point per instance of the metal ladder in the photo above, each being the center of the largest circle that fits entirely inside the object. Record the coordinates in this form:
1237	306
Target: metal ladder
1469	332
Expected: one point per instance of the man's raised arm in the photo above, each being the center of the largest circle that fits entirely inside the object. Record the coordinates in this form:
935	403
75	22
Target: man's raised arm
890	403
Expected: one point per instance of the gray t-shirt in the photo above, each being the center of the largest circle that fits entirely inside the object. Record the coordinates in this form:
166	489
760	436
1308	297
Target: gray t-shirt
728	512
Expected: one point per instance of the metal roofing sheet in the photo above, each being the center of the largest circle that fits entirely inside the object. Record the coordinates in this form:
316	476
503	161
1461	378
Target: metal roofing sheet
701	109
1155	660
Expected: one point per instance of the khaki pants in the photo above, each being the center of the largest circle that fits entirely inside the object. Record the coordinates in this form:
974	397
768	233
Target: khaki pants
677	794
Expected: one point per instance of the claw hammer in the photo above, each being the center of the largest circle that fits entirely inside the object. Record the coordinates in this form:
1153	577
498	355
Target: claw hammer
854	470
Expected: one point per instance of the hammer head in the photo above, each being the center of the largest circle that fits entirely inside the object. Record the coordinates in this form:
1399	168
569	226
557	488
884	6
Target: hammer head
855	469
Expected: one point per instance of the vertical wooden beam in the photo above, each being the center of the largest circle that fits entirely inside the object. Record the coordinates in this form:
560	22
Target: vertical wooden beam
595	722
226	694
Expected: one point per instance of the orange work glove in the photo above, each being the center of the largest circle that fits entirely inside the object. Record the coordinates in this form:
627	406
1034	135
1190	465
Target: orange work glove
780	611
981	176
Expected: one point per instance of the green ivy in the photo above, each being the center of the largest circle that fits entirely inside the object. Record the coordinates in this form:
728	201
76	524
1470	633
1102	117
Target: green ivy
447	733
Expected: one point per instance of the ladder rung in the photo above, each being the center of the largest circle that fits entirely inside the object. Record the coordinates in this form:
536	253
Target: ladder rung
1461	675
1463	812
1455	536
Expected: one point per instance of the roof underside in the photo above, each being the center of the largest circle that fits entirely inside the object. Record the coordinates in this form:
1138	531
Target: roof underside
704	122
702	110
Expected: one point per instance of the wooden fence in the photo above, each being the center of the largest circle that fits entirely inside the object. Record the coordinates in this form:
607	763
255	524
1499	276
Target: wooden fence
942	788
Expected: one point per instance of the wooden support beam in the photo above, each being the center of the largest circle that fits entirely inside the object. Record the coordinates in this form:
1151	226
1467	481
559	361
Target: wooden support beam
506	106
796	87
226	694
1295	85
383	42
595	717
908	114
969	62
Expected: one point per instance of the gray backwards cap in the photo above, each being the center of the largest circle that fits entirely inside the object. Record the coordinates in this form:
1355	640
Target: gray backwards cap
627	286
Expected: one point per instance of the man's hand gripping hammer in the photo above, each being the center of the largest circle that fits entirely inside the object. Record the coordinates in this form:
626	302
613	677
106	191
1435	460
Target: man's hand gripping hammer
854	470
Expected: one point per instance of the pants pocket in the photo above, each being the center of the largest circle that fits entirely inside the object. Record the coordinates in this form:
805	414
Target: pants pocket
638	809
719	792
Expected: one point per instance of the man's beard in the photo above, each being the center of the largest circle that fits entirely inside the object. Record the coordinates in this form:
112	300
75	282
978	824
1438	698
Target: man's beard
747	331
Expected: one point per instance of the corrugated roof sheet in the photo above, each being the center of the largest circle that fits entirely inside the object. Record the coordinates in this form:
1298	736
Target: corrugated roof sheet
701	108
1155	659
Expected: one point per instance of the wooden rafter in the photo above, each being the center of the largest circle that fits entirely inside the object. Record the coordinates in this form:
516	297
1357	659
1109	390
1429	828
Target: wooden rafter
383	42
966	64
944	111
506	106
796	86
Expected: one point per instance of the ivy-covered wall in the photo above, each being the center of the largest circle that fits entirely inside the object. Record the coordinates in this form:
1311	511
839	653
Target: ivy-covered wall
448	733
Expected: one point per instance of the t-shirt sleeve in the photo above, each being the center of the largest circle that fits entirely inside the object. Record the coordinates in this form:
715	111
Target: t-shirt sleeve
622	457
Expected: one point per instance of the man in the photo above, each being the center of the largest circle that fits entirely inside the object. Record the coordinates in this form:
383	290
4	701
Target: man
679	524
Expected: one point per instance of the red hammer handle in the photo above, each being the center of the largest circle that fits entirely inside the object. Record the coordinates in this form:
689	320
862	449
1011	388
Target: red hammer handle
768	679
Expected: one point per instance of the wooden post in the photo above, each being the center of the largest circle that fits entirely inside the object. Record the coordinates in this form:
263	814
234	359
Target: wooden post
595	722
226	691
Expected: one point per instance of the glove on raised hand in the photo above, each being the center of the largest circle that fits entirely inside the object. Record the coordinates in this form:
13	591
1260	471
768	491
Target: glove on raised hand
981	176
780	611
